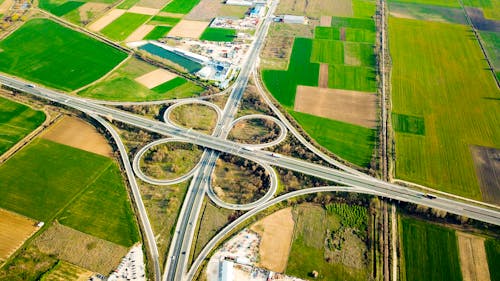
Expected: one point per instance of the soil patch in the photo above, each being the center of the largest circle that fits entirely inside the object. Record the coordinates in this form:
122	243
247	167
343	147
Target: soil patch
487	164
188	28
79	134
155	78
206	10
106	19
140	33
323	75
89	9
342	34
276	231
325	21
80	249
155	4
473	261
348	106
14	230
315	8
4	7
480	22
143	10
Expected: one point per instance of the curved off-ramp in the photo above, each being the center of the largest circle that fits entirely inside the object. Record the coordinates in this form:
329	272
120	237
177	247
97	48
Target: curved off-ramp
137	160
273	180
281	125
217	239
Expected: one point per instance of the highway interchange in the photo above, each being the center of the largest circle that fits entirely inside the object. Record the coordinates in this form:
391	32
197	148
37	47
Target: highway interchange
176	267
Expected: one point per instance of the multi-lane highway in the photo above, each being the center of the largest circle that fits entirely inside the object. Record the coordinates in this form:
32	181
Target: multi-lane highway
180	248
478	212
177	260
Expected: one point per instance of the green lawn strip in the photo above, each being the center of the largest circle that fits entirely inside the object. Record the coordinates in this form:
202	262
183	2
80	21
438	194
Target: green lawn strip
328	33
430	252
160	20
327	51
127	4
363	8
157	32
456	114
123	26
350	142
29	53
429	12
359	23
218	34
491	8
283	84
44	176
492	247
169	85
16	121
408	124
180	6
492	44
444	3
357	78
103	210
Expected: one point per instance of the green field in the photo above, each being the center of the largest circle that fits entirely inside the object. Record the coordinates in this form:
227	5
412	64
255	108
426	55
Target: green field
430	252
185	63
283	84
180	6
157	32
363	8
78	61
408	124
439	81
492	44
170	85
218	34
16	121
160	20
492	247
44	176
312	223
429	12
491	8
444	3
47	180
121	86
60	8
123	26
103	210
327	51
358	78
351	142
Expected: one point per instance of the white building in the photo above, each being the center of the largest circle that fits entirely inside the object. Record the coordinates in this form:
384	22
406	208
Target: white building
226	270
294	19
239	2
